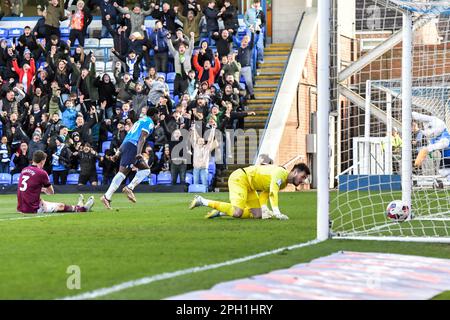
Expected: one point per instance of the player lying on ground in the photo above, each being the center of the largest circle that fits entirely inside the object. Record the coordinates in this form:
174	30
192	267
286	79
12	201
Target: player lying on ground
436	130
32	181
131	155
244	185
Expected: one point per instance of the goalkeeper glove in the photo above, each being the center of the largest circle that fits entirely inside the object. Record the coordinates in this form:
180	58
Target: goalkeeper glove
279	215
266	213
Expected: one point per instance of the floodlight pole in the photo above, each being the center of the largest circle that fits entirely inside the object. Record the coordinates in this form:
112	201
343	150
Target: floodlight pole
407	50
323	108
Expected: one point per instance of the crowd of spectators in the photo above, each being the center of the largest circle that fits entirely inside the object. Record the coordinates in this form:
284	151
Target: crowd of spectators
53	99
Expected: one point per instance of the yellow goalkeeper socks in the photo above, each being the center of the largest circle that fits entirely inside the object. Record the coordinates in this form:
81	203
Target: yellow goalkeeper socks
228	209
224	207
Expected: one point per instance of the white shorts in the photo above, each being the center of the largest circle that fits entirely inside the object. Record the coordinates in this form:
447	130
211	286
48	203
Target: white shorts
47	207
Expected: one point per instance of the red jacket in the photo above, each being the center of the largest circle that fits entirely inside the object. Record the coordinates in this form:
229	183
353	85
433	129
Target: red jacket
21	73
213	71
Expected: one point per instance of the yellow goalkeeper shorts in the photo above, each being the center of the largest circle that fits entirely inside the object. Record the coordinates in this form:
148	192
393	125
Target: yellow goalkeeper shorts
241	195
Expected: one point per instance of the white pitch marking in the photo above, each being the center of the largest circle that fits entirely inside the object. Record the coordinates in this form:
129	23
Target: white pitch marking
168	275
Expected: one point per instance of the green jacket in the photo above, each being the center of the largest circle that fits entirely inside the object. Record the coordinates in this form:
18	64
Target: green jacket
55	15
191	26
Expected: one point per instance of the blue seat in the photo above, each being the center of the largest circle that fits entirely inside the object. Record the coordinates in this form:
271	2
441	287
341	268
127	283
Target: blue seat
151	180
4	33
51	178
171	87
164	178
73	178
99	179
15	178
197	188
171	77
5	179
98	168
161	74
210	179
189	178
159	154
110	136
106	145
65	32
212	166
15	32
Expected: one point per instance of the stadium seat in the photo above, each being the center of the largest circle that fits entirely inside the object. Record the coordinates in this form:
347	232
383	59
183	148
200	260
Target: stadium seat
189	178
210	179
109	66
65	32
159	154
73	178
99	179
171	87
98	168
50	177
170	77
100	67
107	43
164	178
212	166
91	43
106	145
162	74
5	179
3	33
15	32
110	136
15	178
197	188
152	180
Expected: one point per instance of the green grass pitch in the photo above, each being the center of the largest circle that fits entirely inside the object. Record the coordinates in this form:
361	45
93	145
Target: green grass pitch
156	235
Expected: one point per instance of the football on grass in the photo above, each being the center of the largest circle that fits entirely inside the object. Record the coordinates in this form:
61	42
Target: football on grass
397	210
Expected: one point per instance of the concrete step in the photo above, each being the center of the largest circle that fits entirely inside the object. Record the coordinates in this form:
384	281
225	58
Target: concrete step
269	69
259	102
268	77
271	89
267	84
271	64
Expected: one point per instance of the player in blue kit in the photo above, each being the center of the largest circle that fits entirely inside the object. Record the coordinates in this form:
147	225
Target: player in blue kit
131	155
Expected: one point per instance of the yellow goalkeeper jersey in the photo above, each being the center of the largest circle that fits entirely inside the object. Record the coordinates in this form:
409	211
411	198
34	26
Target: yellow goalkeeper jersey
267	178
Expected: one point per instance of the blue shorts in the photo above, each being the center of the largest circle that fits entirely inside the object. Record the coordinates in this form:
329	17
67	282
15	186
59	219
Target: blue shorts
128	153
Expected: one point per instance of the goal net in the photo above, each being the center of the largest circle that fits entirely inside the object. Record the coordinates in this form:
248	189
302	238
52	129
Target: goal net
390	99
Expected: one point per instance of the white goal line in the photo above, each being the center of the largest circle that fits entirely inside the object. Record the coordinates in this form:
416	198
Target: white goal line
169	275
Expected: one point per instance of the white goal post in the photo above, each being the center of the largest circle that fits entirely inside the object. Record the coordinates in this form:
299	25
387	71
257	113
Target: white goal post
395	65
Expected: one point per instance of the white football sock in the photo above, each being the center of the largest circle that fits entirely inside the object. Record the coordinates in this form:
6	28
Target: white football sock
140	175
115	184
204	201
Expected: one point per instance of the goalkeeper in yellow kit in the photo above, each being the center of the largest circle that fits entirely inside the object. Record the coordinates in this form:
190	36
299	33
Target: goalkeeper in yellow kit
244	185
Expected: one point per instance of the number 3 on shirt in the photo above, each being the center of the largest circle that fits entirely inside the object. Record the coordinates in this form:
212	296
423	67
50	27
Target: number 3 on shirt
23	184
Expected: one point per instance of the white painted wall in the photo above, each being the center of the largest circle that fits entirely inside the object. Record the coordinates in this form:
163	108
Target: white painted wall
286	16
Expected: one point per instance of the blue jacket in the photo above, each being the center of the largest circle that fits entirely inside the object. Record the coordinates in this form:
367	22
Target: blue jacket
107	8
159	39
